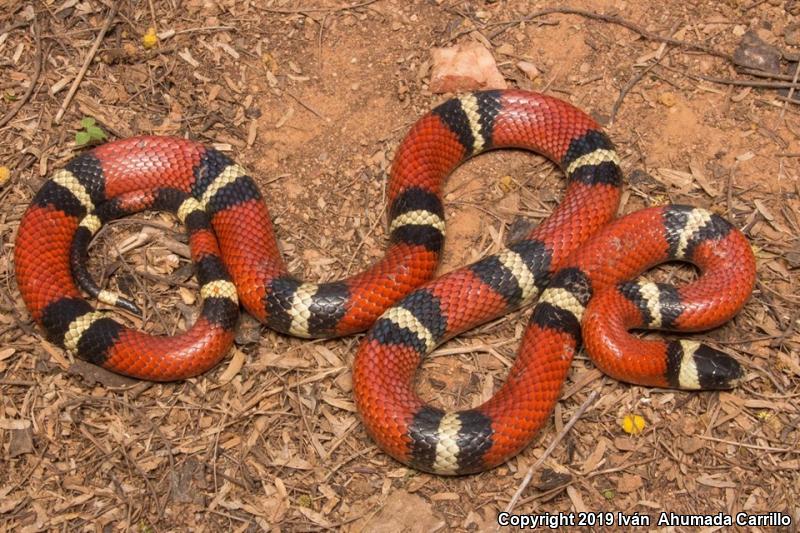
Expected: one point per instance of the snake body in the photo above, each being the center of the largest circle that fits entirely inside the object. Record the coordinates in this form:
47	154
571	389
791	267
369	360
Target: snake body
585	292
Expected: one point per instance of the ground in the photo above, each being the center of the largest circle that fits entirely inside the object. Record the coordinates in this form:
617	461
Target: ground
313	98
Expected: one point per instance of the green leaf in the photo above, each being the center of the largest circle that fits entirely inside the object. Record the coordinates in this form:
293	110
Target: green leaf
95	133
87	122
82	138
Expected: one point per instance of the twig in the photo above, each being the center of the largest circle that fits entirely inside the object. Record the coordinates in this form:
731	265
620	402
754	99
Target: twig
131	463
791	90
529	475
313	9
205	29
635	79
765	74
619	22
319	40
729	190
751	446
628	86
308	107
754	4
152	13
788	100
753	83
354	455
37	71
89	57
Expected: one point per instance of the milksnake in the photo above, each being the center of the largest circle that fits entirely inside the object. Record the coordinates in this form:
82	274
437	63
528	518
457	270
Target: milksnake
579	259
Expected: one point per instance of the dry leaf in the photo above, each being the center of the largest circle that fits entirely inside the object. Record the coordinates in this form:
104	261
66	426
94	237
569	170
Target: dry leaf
682	181
464	67
701	180
629	483
315	517
712	481
595	457
445	496
237	361
346	405
576	499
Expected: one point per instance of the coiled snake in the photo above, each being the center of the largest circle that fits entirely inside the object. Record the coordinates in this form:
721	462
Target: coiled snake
578	259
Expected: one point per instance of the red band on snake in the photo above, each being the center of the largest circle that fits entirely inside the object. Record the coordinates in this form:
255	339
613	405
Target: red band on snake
233	244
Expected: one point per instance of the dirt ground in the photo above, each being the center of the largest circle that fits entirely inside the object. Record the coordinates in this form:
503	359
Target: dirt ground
313	98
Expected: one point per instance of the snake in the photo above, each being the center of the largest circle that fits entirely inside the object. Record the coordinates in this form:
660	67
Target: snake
581	262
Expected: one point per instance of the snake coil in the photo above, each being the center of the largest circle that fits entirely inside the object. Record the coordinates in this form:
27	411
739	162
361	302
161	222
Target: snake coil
579	260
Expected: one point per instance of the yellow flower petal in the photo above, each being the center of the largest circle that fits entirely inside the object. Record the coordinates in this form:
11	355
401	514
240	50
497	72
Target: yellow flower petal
506	183
150	39
633	424
5	173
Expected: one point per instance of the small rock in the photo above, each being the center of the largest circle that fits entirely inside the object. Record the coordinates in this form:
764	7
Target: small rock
791	34
529	69
754	53
765	34
464	67
667	99
505	49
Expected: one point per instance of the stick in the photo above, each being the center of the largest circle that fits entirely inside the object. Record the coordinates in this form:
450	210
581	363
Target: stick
308	107
37	71
791	90
72	90
628	86
753	83
751	446
312	9
788	100
765	74
535	466
618	21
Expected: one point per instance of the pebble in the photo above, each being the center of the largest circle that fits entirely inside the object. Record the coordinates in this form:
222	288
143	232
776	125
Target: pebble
791	34
667	99
754	53
529	69
464	67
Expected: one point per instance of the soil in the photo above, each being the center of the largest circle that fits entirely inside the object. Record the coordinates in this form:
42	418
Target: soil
313	98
